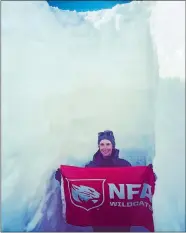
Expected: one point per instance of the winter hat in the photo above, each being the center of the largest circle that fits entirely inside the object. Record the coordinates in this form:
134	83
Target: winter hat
108	135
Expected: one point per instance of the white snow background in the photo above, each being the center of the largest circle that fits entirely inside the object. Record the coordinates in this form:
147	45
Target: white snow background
65	76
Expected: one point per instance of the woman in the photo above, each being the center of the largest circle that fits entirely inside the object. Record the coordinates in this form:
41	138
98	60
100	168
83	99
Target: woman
50	208
108	156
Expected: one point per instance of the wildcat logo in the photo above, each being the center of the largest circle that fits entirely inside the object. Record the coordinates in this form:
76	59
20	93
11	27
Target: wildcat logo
86	193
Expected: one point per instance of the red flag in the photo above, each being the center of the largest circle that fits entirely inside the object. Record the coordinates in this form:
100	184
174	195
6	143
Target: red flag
108	196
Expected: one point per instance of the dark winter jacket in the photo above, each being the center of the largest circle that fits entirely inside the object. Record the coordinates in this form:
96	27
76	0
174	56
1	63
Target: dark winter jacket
113	161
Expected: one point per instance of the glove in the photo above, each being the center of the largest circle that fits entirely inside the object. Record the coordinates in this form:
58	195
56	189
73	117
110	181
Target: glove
155	176
58	175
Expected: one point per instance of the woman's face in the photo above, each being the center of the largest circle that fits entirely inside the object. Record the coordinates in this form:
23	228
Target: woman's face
105	147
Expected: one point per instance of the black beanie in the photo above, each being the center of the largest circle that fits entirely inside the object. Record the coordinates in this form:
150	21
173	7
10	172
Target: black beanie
108	135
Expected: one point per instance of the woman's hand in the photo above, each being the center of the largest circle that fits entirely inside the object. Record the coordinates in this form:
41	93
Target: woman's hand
58	175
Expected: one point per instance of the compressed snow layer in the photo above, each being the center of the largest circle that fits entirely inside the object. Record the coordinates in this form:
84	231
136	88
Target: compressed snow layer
66	76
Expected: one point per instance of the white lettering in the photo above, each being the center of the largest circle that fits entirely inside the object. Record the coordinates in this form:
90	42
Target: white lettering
119	191
146	204
150	207
113	190
129	204
135	203
113	203
130	191
123	204
144	193
119	203
141	203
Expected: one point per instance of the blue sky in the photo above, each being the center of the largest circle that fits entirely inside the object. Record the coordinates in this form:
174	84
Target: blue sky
85	5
